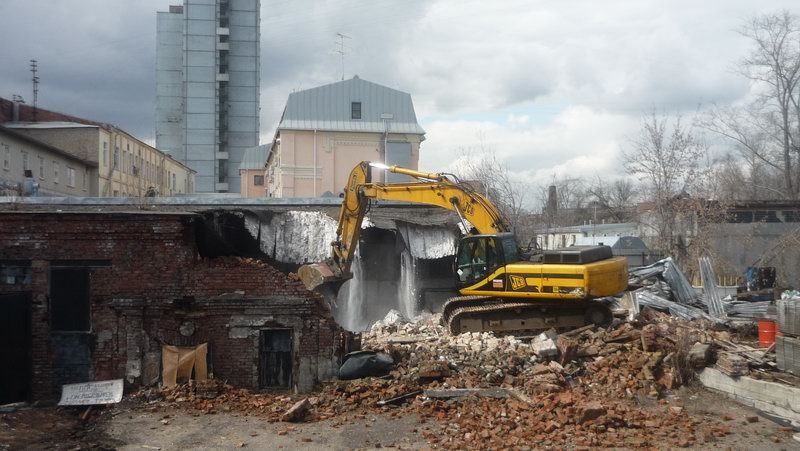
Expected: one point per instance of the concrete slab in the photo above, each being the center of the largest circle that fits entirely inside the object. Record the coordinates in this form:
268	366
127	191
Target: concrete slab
772	397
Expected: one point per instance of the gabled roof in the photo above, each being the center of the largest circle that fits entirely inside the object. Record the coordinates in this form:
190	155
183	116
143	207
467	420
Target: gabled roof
254	157
327	108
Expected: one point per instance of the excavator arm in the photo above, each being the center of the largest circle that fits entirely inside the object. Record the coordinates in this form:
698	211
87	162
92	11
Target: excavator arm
435	189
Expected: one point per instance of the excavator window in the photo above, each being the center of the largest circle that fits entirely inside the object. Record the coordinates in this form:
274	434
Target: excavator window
477	258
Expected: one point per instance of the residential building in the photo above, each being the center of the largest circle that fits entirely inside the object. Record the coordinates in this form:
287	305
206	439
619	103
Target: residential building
325	131
125	165
56	171
207	87
556	237
251	172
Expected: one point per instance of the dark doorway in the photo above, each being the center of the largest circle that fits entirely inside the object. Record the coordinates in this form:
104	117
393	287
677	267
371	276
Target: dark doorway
15	339
70	326
69	299
275	364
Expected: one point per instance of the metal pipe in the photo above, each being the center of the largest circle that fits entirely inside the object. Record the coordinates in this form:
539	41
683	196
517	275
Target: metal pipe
416	174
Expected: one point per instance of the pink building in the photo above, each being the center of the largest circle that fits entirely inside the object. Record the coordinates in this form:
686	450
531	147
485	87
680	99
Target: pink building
251	172
325	131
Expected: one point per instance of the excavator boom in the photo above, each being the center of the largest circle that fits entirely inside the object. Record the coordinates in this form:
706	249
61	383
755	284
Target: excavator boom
474	210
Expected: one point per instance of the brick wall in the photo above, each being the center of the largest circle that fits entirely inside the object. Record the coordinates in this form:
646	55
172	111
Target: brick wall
42	115
156	290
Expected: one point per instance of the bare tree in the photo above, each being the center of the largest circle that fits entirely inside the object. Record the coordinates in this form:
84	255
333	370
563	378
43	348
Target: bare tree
670	164
768	129
614	198
508	192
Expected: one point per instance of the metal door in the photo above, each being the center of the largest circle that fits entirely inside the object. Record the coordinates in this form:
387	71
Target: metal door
275	363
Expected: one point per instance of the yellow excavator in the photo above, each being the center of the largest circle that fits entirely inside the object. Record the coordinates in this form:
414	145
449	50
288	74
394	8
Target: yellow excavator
500	291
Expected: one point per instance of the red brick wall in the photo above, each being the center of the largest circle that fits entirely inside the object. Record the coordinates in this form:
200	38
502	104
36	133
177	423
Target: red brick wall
156	282
26	114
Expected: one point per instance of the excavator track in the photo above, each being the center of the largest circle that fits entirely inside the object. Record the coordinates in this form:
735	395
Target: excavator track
484	313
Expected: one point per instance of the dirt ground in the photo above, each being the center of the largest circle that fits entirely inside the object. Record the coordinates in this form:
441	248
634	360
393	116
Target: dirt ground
137	426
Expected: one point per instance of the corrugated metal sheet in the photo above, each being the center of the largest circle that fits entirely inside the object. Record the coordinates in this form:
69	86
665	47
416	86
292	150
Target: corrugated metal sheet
254	157
327	108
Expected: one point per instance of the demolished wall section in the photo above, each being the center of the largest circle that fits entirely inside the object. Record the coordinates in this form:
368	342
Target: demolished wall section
149	287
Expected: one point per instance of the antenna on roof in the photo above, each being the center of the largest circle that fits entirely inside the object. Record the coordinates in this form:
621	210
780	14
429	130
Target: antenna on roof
35	79
342	50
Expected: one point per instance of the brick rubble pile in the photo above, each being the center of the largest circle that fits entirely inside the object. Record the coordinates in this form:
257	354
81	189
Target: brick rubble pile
585	392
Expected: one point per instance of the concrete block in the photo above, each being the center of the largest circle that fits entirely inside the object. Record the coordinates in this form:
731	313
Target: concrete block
544	346
789	316
787	353
771	397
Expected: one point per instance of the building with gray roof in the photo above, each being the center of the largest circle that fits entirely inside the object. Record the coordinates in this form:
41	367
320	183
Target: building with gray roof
325	131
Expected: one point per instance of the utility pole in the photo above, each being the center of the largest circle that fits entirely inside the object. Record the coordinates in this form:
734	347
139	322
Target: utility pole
35	79
342	50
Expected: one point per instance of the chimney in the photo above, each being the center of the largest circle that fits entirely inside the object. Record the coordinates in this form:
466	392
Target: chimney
552	200
15	110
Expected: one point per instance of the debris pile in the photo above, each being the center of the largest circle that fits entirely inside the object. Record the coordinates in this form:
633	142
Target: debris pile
664	287
568	419
580	388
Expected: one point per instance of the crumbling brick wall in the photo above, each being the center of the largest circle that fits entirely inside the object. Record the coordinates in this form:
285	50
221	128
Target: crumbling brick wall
149	286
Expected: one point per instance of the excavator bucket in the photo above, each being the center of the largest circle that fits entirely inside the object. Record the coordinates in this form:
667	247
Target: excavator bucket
314	275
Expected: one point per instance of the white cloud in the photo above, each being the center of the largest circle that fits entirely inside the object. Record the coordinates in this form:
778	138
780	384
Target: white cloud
558	82
578	142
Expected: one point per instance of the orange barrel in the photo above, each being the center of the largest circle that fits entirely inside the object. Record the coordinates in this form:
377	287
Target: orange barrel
766	332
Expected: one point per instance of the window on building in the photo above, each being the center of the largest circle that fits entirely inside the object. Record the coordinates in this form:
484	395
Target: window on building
41	167
174	185
116	193
55	171
25	161
69	299
258	180
355	110
15	272
6	157
105	154
70	177
85	178
116	157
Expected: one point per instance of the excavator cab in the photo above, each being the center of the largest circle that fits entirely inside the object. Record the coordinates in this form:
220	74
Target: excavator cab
478	256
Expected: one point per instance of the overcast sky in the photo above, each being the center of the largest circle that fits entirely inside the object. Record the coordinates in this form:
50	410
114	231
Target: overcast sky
553	86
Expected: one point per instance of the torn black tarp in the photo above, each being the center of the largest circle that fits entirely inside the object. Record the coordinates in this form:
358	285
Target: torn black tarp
365	364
